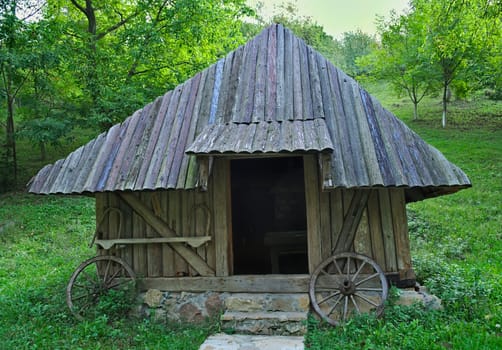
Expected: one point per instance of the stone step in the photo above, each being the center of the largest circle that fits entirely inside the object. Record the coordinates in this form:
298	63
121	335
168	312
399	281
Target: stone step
253	302
257	342
265	322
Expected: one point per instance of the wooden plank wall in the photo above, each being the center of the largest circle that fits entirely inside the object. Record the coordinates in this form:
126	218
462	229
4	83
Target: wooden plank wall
382	233
184	213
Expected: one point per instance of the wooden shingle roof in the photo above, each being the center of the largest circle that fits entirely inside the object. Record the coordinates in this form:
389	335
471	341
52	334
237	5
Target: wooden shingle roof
274	94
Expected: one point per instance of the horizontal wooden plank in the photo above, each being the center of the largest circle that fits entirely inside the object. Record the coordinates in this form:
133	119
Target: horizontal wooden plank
240	283
234	284
194	242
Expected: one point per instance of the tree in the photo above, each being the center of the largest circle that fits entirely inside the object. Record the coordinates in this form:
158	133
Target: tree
400	60
354	45
128	52
17	57
454	36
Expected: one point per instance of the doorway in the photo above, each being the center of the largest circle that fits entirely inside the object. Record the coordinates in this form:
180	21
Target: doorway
269	223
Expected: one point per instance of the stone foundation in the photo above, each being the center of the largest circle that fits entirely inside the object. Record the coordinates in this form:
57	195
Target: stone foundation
250	313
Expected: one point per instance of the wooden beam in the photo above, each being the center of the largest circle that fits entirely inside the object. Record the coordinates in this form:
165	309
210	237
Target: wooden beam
163	229
312	190
242	283
222	217
351	221
235	284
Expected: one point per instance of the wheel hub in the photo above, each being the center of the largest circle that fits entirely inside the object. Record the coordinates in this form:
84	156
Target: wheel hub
348	287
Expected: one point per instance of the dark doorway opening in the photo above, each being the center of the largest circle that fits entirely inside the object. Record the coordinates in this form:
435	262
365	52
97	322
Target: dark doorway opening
269	221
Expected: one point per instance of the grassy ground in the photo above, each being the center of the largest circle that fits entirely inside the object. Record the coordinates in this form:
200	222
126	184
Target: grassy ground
456	246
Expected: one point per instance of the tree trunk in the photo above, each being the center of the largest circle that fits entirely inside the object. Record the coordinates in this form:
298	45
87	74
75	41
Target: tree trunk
415	110
445	104
11	137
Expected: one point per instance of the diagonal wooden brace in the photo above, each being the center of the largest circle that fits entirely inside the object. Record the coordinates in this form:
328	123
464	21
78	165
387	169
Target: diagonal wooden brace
351	221
163	229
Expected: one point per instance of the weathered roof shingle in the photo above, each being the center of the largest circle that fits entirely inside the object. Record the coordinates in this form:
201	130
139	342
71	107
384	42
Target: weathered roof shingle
275	94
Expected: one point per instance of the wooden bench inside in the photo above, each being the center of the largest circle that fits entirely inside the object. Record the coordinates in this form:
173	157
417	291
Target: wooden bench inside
194	242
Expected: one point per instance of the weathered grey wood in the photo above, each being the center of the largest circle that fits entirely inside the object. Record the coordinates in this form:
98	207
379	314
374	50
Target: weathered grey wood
313	212
368	150
315	83
235	284
297	82
260	81
184	139
271	77
154	252
325	224
179	129
337	214
134	176
387	230
126	251
127	172
307	112
248	89
163	229
225	91
288	78
153	138
101	222
168	268
374	221
140	262
159	148
280	62
176	199
222	222
113	164
351	221
400	229
194	242
362	239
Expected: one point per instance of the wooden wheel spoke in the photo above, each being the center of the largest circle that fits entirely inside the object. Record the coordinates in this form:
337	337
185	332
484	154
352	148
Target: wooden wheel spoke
82	296
355	304
328	297
334	305
370	289
348	268
345	308
366	299
107	269
337	267
325	273
119	283
358	271
368	278
82	286
109	280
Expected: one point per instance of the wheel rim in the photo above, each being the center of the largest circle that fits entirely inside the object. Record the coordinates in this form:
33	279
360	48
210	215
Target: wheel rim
93	280
347	284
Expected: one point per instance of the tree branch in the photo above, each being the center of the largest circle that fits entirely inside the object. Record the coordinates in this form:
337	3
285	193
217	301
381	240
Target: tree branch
80	7
116	26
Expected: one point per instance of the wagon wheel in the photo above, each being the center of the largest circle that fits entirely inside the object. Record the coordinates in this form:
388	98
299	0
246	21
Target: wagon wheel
346	284
95	279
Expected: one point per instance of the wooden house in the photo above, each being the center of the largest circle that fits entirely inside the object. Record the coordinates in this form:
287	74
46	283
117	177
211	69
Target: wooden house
246	176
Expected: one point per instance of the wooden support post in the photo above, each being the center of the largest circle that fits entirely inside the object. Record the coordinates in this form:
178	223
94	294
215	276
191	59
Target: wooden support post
312	190
164	230
222	218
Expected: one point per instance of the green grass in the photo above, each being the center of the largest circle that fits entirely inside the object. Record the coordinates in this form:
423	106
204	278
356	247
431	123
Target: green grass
456	248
